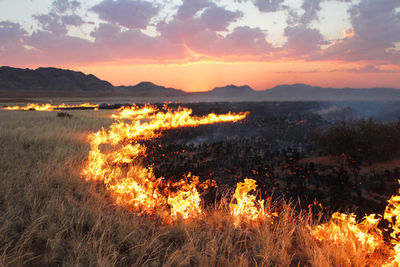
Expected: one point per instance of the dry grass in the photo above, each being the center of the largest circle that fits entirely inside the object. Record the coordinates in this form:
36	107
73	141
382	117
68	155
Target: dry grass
49	215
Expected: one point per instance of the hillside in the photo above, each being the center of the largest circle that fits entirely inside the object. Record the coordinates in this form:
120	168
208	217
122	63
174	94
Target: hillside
51	82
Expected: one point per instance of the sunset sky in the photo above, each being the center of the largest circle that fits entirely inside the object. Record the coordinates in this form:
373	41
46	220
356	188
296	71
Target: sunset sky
196	45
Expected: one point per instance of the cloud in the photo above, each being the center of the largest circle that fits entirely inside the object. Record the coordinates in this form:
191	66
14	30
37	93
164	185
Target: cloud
242	41
311	9
200	32
133	14
302	40
63	6
112	43
367	69
267	5
189	8
51	22
60	17
376	30
12	48
73	20
217	18
132	43
299	72
11	33
105	32
202	29
56	49
121	38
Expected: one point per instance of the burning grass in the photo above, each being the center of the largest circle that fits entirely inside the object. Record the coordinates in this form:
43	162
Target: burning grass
49	215
51	107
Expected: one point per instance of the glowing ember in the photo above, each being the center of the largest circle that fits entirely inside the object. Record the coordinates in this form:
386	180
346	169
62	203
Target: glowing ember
50	107
115	160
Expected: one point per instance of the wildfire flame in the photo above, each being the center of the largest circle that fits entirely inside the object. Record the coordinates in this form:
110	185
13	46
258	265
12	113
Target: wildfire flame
246	206
366	234
115	159
116	154
50	107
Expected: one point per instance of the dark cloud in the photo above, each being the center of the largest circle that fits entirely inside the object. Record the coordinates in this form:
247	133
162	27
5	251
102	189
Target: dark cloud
189	8
133	14
60	17
57	24
51	22
269	5
217	18
12	49
105	32
63	6
11	33
73	20
311	9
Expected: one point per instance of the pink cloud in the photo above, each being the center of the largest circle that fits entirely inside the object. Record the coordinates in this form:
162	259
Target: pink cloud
202	34
302	41
202	27
134	14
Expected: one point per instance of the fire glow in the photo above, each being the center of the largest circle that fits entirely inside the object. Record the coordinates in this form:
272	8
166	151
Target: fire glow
365	235
50	107
116	160
116	154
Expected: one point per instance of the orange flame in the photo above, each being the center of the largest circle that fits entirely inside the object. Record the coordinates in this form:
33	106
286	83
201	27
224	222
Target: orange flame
115	160
365	234
246	207
50	107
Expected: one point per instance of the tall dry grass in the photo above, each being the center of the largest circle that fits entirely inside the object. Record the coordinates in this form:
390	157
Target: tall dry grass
50	216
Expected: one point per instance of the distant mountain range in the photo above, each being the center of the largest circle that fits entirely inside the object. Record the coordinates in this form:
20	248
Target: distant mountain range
53	82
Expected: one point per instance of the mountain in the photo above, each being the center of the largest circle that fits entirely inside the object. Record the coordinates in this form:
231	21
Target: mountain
303	92
226	93
148	89
232	90
50	82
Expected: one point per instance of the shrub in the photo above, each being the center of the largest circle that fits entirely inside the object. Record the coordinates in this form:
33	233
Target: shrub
368	140
64	115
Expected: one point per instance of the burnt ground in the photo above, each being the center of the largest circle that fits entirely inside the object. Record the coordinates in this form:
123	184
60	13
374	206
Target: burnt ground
272	146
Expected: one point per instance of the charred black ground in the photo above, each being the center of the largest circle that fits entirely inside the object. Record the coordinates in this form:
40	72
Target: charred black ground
276	146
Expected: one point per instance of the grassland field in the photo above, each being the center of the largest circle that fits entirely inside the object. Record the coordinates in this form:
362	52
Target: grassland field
50	216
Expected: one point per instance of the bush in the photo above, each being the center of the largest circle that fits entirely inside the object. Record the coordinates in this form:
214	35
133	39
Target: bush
64	115
368	140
